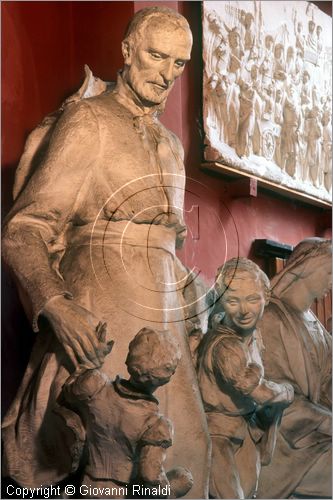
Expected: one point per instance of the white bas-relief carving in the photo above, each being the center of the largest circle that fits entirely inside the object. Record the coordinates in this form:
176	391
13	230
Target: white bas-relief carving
299	349
243	407
291	122
274	60
126	437
327	148
313	136
91	242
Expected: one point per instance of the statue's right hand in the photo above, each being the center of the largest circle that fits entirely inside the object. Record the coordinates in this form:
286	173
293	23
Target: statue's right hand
81	334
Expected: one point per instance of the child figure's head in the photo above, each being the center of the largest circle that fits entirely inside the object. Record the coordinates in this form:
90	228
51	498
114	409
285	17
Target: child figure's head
152	358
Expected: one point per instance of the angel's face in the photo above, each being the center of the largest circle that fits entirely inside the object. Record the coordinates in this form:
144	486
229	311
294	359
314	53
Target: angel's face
243	303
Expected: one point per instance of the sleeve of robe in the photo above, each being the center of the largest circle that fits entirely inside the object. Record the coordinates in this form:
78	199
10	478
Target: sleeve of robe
231	360
47	204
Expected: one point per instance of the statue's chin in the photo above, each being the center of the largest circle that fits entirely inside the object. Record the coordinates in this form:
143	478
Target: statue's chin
150	94
153	99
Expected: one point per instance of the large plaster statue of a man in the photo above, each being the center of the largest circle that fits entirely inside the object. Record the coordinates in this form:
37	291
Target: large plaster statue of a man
299	349
91	241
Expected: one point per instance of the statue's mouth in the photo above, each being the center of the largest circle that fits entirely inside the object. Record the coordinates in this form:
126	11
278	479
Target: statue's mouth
160	86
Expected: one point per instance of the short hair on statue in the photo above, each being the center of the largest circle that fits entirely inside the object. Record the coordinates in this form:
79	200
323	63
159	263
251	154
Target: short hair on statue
152	354
150	14
239	265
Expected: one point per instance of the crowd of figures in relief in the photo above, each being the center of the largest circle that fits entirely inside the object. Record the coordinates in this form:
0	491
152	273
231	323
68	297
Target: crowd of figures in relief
265	94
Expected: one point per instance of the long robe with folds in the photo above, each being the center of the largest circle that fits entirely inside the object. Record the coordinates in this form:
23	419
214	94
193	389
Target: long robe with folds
229	371
298	350
98	221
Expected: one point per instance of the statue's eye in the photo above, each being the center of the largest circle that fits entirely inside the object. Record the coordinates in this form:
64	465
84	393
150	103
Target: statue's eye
254	300
156	56
180	64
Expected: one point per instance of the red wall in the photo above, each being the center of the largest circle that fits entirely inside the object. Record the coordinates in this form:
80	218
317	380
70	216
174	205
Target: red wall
220	204
44	48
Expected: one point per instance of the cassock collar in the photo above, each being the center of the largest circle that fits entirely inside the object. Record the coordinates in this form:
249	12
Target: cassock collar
127	98
124	388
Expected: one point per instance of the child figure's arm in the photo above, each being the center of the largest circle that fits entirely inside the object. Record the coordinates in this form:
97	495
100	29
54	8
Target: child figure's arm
154	443
151	465
84	383
83	386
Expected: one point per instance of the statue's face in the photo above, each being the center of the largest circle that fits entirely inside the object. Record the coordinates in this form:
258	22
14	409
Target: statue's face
291	91
306	77
278	52
155	60
248	20
244	302
213	82
268	43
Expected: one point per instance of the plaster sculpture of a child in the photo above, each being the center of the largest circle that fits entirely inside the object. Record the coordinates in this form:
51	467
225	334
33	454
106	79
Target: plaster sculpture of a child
126	436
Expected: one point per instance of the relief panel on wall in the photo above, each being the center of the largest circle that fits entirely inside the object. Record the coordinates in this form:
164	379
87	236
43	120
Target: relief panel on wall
268	91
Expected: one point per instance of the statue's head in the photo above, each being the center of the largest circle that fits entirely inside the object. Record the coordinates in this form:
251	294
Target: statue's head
269	41
156	47
290	52
244	291
311	26
234	38
305	76
291	92
248	20
278	50
152	358
326	117
213	81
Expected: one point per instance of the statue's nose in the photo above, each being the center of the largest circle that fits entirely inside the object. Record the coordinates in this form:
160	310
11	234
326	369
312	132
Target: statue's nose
167	72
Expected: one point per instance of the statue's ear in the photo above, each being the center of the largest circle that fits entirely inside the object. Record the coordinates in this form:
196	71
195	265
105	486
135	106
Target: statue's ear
126	49
268	295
